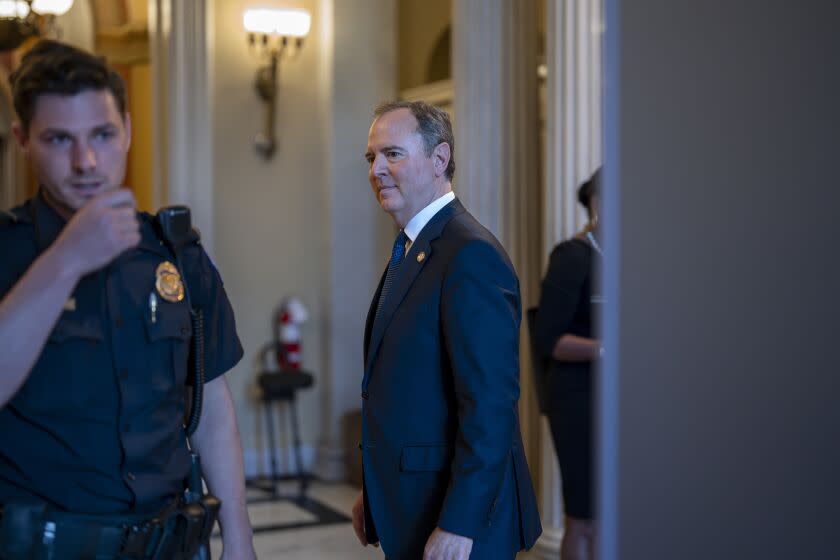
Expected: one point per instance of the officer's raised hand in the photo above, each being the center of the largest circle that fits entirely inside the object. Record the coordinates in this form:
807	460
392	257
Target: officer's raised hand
100	231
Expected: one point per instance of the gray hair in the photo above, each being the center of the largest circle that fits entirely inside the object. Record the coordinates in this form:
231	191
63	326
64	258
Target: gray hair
433	125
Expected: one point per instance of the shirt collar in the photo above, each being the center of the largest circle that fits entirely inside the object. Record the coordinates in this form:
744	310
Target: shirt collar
419	221
47	221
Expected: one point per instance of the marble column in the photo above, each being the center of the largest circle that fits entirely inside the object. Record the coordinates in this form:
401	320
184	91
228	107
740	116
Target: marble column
478	79
573	152
183	141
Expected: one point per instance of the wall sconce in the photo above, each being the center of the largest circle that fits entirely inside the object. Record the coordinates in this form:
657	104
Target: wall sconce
274	33
21	19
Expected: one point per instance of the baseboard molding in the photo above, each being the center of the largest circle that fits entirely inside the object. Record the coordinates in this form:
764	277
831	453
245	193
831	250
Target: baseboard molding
330	463
258	461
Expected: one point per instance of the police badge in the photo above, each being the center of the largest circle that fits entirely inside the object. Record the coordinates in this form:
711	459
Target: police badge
168	282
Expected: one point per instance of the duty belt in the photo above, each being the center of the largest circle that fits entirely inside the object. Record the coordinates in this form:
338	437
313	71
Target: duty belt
32	531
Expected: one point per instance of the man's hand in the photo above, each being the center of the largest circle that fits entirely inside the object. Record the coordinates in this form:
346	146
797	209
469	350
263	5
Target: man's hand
358	515
99	231
447	546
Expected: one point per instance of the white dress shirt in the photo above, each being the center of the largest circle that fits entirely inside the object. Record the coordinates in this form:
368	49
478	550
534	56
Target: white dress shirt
419	221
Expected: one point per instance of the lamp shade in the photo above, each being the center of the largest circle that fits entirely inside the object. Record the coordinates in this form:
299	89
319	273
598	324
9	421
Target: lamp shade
13	9
51	7
276	21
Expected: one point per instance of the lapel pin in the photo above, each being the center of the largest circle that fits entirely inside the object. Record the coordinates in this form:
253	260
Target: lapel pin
70	304
421	256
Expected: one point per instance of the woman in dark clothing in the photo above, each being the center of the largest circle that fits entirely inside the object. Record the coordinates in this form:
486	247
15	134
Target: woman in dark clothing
565	337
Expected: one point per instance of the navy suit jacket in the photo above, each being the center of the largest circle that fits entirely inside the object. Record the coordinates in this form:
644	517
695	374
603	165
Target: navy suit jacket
441	442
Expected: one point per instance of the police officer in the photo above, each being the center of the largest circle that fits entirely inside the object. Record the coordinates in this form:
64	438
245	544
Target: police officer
95	334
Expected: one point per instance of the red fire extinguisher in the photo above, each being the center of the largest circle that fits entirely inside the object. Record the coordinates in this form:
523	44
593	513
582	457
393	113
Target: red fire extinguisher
289	317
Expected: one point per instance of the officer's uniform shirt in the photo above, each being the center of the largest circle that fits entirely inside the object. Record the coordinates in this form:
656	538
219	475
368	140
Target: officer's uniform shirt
97	426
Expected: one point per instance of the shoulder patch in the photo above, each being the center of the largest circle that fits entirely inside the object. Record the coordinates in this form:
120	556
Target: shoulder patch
7	218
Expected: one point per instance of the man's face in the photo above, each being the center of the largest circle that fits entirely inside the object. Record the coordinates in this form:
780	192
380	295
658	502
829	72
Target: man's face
402	177
78	146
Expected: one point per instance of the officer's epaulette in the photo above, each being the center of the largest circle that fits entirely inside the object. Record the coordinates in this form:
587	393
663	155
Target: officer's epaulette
7	218
194	235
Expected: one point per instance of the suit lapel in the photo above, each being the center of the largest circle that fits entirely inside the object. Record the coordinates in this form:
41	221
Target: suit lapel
404	278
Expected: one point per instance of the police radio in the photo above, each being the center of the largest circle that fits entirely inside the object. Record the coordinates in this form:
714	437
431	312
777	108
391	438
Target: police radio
174	224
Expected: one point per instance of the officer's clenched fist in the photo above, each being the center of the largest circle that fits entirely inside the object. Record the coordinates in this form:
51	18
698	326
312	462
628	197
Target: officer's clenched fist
99	231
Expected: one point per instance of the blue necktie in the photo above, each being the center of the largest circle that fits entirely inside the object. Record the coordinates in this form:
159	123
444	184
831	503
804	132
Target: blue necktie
397	254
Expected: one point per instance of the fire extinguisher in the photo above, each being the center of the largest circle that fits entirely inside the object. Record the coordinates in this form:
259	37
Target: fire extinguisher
288	320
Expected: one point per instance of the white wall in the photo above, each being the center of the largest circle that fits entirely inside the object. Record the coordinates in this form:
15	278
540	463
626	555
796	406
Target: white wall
304	222
269	217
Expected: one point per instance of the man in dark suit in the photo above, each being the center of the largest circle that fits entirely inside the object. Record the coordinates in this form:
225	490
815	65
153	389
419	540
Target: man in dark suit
445	475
